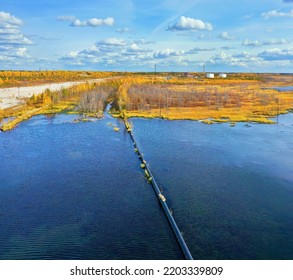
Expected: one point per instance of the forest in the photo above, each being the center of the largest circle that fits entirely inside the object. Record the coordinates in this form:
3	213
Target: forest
29	78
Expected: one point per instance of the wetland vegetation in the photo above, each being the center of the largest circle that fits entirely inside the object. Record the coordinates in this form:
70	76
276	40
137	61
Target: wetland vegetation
174	96
230	189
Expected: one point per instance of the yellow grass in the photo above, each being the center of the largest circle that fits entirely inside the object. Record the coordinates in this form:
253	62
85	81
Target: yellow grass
28	78
241	98
244	101
27	112
22	117
206	115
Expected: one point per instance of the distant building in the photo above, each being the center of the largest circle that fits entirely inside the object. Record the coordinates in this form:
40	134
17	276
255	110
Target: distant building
210	75
222	75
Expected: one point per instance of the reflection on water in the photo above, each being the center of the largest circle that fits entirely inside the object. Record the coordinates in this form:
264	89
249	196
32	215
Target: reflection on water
75	191
285	88
231	188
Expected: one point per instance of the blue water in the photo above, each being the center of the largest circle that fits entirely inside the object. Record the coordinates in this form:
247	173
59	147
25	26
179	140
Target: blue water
75	191
285	88
230	188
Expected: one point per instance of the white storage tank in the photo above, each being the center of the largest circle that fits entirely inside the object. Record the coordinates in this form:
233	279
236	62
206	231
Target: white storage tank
210	75
223	75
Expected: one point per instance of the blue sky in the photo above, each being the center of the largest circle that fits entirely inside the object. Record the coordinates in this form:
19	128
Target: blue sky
135	35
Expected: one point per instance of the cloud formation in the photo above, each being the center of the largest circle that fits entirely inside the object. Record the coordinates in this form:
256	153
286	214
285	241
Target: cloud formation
226	36
10	33
135	49
111	51
276	42
12	40
167	53
277	13
257	43
277	54
122	30
249	43
198	49
189	24
243	59
144	42
93	22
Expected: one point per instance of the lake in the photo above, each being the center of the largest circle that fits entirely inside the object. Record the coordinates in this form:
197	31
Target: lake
76	190
230	188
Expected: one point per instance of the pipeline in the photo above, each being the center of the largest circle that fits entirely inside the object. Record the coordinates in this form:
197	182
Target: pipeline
150	178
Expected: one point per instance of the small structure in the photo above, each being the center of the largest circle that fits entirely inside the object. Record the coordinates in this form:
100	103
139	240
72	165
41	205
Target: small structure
210	75
223	75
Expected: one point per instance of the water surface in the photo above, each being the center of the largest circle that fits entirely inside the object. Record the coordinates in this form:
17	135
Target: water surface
75	191
230	188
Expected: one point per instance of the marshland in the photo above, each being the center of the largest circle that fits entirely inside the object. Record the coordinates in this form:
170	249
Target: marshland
73	188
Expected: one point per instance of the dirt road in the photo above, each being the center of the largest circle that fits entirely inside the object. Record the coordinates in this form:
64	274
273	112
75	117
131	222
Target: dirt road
14	96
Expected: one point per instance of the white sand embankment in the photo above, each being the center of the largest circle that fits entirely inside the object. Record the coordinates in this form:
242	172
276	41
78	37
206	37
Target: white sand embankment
10	97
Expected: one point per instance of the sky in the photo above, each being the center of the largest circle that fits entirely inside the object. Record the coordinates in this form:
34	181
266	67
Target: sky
136	35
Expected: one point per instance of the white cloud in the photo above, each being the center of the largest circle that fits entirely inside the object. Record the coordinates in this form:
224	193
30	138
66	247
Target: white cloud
227	48
111	51
198	49
122	30
277	13
12	40
167	53
257	43
277	54
276	42
118	53
272	57
93	22
72	54
189	24
22	52
144	42
10	33
110	45
249	43
134	49
244	59
114	42
7	31
226	36
9	53
7	20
